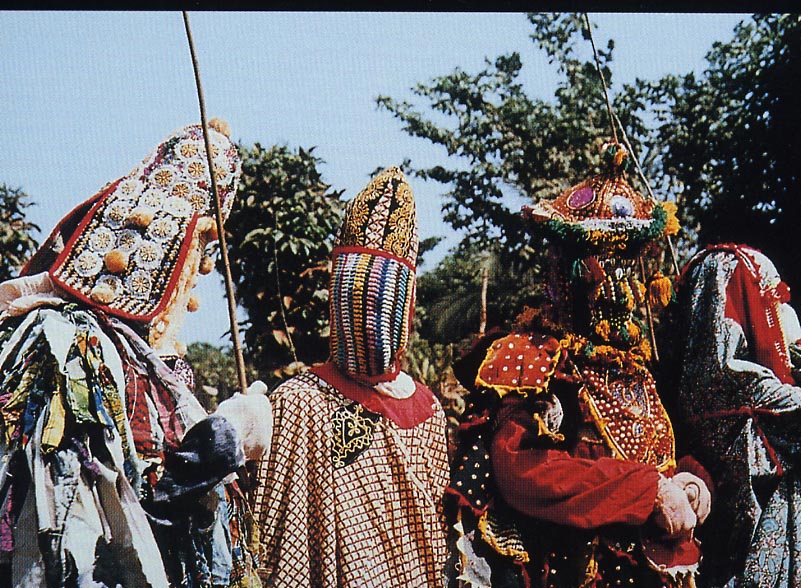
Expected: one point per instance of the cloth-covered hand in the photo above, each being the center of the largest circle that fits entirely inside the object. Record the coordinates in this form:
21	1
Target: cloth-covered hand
697	494
252	416
672	509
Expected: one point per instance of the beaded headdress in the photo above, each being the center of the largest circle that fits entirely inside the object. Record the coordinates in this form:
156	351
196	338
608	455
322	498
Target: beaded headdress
372	279
126	249
604	212
602	224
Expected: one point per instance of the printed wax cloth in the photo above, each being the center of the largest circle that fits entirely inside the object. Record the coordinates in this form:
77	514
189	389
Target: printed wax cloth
347	498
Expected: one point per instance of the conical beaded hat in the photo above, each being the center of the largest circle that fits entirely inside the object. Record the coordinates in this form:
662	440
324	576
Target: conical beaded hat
604	210
131	239
382	217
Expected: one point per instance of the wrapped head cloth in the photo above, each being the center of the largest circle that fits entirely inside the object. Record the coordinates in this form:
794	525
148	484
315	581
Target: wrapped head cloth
373	279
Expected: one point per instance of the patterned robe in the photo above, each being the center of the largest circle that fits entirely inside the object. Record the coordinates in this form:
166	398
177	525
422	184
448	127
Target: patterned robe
347	497
743	423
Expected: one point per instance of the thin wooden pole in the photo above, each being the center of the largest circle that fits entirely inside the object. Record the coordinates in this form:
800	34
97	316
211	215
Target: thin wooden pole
673	259
613	118
482	327
601	75
648	313
229	282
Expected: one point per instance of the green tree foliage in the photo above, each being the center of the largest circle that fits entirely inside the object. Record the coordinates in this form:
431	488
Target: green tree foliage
449	296
504	142
281	233
507	148
16	242
432	364
215	373
732	142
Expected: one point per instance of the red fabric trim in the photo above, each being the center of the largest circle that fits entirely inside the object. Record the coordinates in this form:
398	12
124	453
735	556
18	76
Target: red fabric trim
691	465
79	209
682	553
176	270
554	486
407	413
698	257
377	252
461	501
366	380
754	414
475	421
757	314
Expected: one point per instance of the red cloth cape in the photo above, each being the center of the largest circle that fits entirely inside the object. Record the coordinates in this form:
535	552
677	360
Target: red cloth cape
407	413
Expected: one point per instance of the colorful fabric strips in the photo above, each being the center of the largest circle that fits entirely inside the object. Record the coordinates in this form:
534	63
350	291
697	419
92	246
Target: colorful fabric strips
65	393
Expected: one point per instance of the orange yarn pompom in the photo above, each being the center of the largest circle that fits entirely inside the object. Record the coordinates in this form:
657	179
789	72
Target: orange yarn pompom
671	221
207	226
603	329
140	217
620	155
220	126
103	294
660	291
206	265
116	261
633	331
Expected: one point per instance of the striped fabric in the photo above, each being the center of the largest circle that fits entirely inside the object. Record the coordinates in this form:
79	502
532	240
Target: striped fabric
372	298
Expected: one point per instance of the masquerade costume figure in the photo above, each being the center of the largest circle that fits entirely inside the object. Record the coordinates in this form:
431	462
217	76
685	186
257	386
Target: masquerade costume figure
350	495
199	512
564	476
741	402
94	395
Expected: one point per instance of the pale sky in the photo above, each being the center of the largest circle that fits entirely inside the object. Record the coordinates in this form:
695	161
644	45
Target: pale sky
86	95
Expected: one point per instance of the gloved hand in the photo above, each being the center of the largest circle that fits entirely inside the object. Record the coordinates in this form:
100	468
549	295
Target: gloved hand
672	509
252	416
697	494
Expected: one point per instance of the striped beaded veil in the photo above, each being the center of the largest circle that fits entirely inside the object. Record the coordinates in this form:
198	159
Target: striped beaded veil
373	279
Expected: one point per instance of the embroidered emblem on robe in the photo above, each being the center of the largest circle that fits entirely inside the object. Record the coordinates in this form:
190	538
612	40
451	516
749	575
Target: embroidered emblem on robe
353	433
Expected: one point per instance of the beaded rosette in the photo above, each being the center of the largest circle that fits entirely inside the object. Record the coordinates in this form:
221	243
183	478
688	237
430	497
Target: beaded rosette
127	252
373	279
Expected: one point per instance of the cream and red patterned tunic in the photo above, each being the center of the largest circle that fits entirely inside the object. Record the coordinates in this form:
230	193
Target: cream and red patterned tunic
347	498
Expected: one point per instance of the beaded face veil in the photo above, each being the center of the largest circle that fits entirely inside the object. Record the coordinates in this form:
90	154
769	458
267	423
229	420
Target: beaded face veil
598	228
372	279
134	249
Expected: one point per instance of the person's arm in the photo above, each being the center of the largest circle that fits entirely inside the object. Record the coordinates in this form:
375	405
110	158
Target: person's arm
538	477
